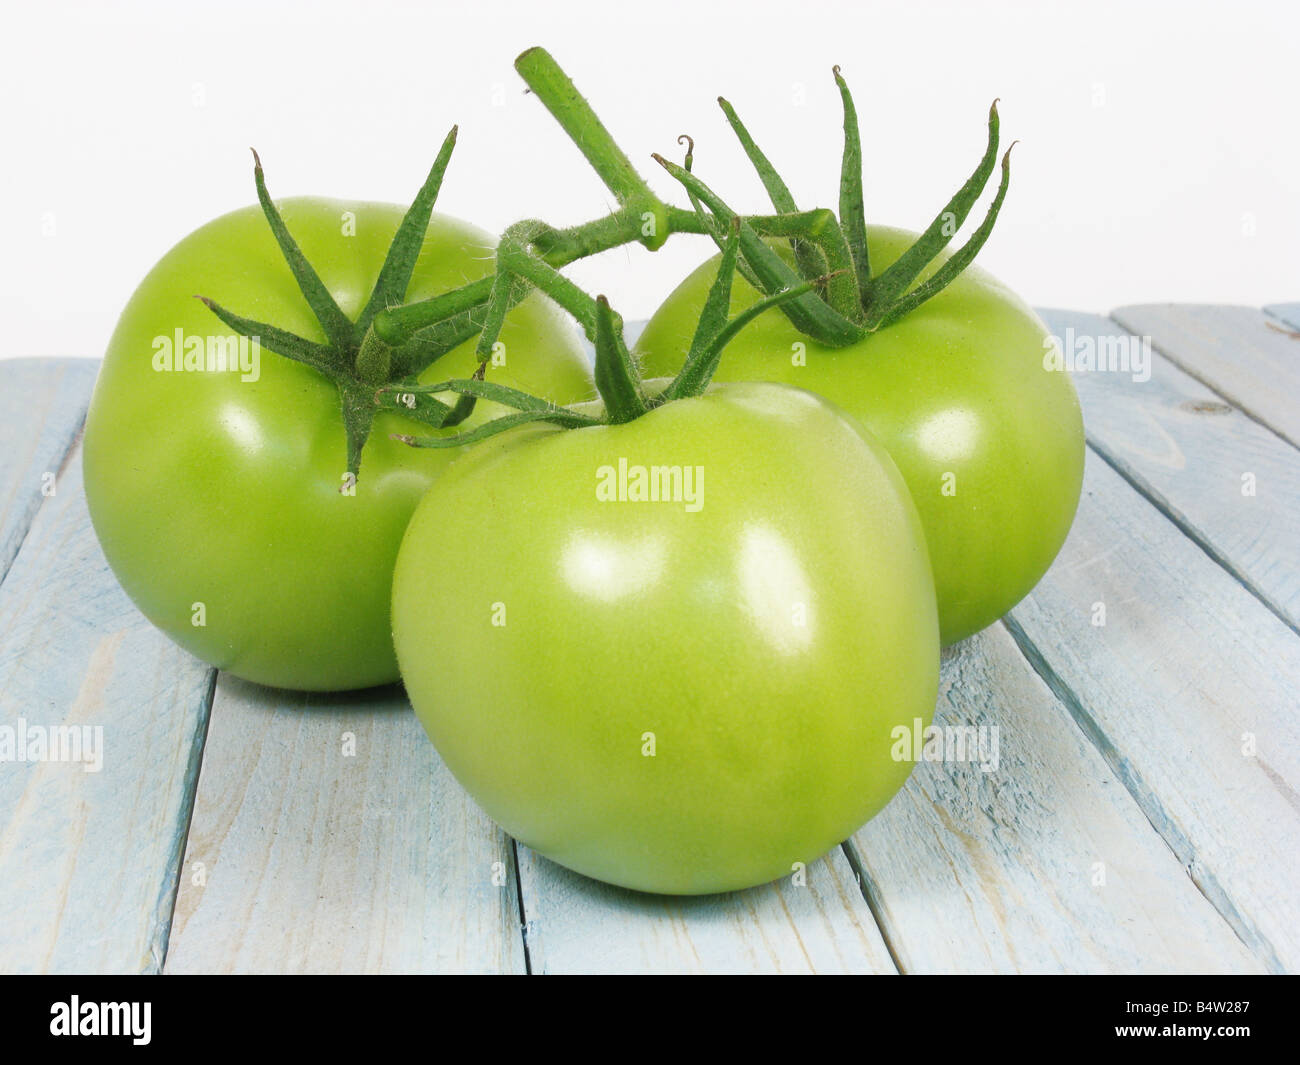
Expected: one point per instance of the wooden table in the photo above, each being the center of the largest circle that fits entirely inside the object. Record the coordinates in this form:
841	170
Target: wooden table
1145	815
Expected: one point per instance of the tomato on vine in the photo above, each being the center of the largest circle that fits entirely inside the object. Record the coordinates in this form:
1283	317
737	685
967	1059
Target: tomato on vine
936	357
667	639
240	476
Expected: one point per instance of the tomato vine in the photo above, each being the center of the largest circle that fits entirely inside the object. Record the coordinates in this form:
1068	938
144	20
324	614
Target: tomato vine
829	293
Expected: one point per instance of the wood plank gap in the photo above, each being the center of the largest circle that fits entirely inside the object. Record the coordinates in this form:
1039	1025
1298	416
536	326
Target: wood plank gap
1191	372
167	894
1180	522
1200	375
1152	808
870	894
28	518
519	902
1287	314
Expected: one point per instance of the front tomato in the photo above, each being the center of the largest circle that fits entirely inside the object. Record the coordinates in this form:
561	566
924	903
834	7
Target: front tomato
221	497
670	654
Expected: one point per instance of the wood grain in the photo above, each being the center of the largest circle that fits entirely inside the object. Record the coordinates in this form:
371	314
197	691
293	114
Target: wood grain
88	859
1233	350
1188	689
42	405
577	925
1041	863
311	854
1227	481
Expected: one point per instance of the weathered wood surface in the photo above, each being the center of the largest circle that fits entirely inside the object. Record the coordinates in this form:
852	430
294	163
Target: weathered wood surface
576	925
1035	859
1187	686
87	858
1126	828
1286	313
42	405
1238	351
1228	482
328	837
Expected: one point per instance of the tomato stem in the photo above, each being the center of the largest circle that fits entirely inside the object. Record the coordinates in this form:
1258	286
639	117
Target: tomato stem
961	259
618	380
553	87
838	303
772	273
399	264
819	231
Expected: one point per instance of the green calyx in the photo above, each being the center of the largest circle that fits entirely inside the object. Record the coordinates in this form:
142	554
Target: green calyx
862	302
618	380
354	356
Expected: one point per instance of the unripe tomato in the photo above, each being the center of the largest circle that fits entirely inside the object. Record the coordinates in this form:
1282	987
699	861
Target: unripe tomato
221	498
681	681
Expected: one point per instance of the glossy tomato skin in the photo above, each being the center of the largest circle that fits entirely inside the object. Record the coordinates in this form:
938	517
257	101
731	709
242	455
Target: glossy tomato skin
673	701
990	443
217	500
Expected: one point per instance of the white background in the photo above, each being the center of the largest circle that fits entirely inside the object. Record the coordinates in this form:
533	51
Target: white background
1158	159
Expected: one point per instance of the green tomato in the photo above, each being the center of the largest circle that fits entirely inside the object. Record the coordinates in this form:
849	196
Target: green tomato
990	443
681	696
220	498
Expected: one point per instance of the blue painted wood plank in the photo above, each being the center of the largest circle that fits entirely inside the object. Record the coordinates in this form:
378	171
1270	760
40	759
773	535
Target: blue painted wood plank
1186	683
1234	350
88	859
42	405
1287	313
1227	481
820	924
1166	696
328	837
1021	852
